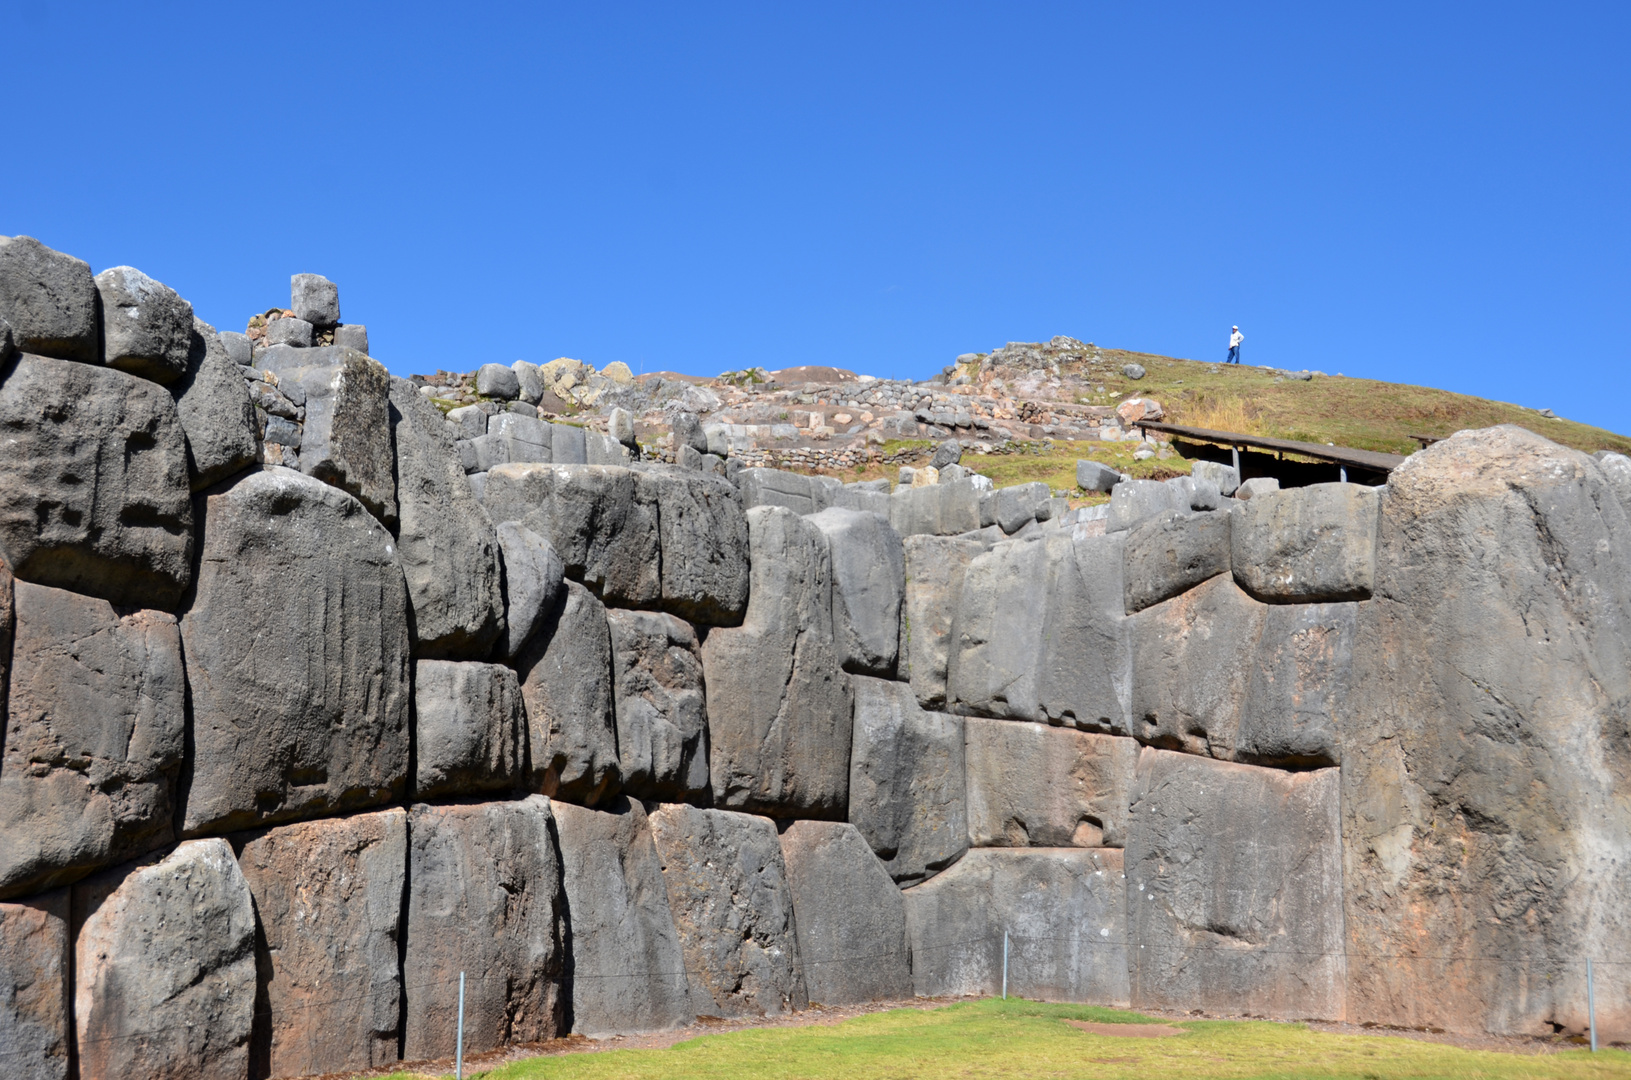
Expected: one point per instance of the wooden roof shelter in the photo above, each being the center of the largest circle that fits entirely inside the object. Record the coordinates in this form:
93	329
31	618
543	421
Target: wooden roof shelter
1344	456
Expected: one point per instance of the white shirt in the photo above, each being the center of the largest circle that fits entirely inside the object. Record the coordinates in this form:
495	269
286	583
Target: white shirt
1236	338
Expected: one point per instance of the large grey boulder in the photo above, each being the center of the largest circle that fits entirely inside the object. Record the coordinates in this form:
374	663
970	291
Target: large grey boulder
1225	477
484	889
328	903
1016	505
868	588
662	715
906	781
352	336
528	382
566	684
1257	485
514	438
496	380
1031	785
938	509
533	583
1173	552
850	917
778	703
147	328
93	745
703	532
1065	913
994	663
470	729
1616	468
601	521
1096	476
216	414
347	437
50	300
935	566
164	967
772	487
733	910
93	483
1086	660
687	431
1234	889
447	546
34	986
625	971
1134	500
297	657
1307	544
315	299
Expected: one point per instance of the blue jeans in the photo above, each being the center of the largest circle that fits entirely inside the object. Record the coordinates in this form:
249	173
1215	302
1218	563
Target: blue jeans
1234	355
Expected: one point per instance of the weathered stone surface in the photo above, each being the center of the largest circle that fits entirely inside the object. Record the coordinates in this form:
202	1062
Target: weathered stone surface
352	336
1030	785
528	381
1308	544
850	917
484	888
1096	476
566	684
50	300
868	588
8	623
328	901
347	437
94	740
290	333
448	549
727	889
147	328
1257	485
601	521
568	445
297	656
994	661
662	716
496	380
1485	762
164	967
314	298
1173	552
93	483
1234	888
620	426
533	583
772	487
1065	911
1617	469
216	414
703	531
1225	477
1134	500
518	439
34	1010
601	449
625	971
469	728
935	566
778	704
1016	505
937	509
1086	661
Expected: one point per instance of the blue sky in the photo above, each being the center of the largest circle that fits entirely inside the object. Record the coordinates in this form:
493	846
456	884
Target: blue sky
1428	193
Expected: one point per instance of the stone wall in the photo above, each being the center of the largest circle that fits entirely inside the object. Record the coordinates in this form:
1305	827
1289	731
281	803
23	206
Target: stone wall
292	737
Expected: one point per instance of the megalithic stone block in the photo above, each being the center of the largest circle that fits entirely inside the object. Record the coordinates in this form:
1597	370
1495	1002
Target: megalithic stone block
34	986
1030	785
935	566
1307	544
1086	660
566	684
533	584
661	708
869	585
146	327
995	660
346	440
50	300
216	414
703	530
470	729
1173	552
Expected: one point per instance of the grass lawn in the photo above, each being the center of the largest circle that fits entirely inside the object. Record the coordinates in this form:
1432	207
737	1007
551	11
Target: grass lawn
1025	1040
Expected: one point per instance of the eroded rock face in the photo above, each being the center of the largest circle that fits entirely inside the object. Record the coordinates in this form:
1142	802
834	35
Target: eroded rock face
566	684
778	704
1234	888
470	729
869	585
50	300
626	970
906	781
328	898
94	483
662	715
1485	762
297	656
484	887
703	530
727	888
213	404
164	958
850	916
996	644
346	440
34	969
1307	544
935	566
94	740
1030	785
146	327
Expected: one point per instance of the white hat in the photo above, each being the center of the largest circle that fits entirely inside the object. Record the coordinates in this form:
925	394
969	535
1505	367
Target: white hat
1234	328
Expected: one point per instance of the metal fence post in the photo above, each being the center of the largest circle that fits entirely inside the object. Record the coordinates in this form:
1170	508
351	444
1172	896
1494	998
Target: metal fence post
458	1049
1005	965
1591	1006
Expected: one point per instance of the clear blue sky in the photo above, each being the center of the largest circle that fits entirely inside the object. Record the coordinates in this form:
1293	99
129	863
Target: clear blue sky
1428	193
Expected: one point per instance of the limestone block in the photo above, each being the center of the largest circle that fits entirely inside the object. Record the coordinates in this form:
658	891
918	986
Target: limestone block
935	566
850	917
994	663
346	440
868	588
662	715
497	381
34	987
566	685
771	487
94	484
328	902
1064	909
533	584
164	967
703	531
626	970
1173	552
1086	659
50	300
1030	785
484	882
147	328
778	703
1134	500
1308	544
470	728
906	781
727	888
296	646
213	406
1234	888
315	299
600	520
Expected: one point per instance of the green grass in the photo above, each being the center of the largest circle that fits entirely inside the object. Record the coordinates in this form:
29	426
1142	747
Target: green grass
1024	1040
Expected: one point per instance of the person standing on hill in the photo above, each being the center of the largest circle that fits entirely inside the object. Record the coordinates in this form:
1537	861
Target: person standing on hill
1235	338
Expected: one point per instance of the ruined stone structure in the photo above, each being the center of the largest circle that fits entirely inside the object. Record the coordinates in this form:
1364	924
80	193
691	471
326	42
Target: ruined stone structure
295	735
